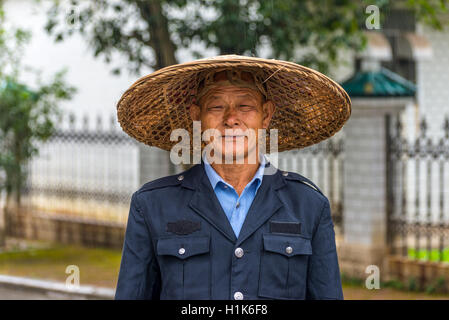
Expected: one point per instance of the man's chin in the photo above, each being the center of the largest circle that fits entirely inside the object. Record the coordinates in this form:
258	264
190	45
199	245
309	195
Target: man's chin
237	158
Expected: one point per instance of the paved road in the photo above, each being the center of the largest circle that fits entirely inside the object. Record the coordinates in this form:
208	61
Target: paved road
10	293
12	287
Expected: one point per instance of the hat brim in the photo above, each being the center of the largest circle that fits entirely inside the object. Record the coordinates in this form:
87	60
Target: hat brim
310	107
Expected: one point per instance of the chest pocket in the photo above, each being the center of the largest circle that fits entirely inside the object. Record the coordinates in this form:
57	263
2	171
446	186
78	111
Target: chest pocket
283	266
185	267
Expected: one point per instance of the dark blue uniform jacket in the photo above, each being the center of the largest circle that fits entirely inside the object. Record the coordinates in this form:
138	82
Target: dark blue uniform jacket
179	243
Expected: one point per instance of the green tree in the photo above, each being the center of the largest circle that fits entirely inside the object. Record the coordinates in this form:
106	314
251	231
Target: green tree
27	116
148	33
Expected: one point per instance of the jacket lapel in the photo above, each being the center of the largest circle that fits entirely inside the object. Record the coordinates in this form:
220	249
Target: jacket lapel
206	204
264	205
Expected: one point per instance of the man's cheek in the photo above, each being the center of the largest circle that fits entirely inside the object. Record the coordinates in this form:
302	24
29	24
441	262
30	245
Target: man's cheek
209	119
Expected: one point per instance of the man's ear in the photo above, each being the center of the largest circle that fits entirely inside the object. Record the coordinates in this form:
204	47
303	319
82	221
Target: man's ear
268	111
195	112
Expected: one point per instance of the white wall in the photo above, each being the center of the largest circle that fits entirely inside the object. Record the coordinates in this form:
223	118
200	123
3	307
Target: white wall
433	81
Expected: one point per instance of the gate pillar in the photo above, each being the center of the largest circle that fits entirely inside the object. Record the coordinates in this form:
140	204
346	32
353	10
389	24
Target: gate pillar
365	186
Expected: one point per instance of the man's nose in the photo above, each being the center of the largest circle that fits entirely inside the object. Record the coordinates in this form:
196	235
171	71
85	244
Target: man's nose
231	117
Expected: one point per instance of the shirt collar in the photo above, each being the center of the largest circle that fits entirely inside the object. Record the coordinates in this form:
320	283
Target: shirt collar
215	178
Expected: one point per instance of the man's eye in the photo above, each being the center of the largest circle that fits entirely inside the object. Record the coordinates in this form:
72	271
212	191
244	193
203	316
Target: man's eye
245	107
215	107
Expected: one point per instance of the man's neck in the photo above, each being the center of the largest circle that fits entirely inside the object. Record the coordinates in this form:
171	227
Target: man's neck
237	175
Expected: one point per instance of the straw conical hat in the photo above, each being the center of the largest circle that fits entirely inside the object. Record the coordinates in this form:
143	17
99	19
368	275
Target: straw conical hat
310	107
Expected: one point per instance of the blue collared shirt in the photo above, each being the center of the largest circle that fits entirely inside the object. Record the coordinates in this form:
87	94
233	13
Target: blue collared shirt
235	207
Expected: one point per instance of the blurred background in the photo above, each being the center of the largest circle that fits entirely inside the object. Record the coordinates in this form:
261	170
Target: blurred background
67	171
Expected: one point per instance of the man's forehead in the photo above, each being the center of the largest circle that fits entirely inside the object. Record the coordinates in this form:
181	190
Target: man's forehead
219	93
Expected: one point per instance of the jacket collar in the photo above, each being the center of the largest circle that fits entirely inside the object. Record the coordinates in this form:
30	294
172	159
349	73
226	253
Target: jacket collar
194	175
215	178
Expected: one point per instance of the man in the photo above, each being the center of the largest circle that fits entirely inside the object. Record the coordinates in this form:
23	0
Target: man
225	229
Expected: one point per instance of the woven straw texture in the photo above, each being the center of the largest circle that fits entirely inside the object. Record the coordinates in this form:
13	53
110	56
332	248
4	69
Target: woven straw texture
310	107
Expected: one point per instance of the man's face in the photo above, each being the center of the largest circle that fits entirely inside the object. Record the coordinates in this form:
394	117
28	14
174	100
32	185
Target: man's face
232	110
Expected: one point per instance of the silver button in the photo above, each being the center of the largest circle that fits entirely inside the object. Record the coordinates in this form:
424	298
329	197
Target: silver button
285	173
238	296
181	251
180	177
239	252
237	205
289	250
225	186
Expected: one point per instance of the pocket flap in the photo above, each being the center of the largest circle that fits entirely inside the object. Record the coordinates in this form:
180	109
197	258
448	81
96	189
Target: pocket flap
183	247
287	245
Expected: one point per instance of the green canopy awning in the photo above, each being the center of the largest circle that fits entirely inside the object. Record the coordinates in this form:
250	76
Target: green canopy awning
381	83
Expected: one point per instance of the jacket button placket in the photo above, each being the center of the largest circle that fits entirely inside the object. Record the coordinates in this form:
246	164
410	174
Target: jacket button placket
238	273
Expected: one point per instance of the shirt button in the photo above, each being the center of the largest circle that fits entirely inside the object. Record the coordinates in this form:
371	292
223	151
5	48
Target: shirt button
285	173
238	296
181	251
180	177
225	186
239	252
237	205
289	250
